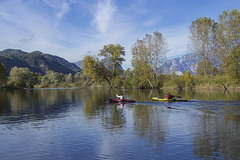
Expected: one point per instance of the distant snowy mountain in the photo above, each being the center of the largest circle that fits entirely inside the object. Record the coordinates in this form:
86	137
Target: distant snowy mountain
180	64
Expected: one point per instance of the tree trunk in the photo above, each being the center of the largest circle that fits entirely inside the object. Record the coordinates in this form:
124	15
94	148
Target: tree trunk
107	80
150	83
224	87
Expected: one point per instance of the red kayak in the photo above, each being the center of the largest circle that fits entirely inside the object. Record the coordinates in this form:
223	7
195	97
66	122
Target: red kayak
114	100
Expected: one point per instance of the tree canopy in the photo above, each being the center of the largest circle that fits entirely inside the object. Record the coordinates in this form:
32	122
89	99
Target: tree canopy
113	55
108	67
21	77
229	40
217	43
204	43
95	69
148	55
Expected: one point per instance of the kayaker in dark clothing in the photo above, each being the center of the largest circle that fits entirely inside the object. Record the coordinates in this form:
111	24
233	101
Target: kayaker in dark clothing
169	96
121	97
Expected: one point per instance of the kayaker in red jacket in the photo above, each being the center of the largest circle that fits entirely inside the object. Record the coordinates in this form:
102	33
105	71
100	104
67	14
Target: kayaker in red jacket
169	96
121	97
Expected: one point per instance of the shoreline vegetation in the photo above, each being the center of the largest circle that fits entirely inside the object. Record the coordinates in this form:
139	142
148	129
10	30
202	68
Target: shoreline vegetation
216	43
70	81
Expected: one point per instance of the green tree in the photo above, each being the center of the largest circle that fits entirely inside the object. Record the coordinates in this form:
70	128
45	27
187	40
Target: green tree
21	77
77	76
148	55
45	82
3	74
69	78
188	80
203	42
113	55
128	77
84	81
54	77
229	40
51	79
95	69
187	75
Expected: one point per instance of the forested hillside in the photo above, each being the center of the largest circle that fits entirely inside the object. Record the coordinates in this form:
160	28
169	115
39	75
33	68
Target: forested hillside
36	61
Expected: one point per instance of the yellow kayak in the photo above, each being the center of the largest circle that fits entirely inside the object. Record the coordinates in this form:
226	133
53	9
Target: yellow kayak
168	100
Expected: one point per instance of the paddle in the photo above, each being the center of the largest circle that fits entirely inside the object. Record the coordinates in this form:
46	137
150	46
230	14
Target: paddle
114	91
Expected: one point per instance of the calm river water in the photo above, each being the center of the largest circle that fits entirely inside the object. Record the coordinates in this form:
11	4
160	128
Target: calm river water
69	124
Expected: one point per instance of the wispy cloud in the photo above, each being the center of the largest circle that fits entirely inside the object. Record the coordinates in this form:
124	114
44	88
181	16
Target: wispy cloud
25	27
64	9
61	7
103	15
152	21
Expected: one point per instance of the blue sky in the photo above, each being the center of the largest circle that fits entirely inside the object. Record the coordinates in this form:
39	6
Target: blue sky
74	28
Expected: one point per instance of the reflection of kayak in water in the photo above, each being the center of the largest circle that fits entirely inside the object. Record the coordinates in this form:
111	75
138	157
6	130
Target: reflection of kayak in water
168	100
114	100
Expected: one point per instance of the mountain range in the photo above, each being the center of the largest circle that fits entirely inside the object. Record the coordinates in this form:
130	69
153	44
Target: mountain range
36	61
181	64
39	62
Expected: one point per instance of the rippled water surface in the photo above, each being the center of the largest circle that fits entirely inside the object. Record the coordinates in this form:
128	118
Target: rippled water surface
82	124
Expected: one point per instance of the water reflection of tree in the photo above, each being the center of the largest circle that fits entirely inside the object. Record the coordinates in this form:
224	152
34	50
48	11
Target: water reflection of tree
150	124
3	102
94	102
216	95
95	105
114	119
217	136
36	102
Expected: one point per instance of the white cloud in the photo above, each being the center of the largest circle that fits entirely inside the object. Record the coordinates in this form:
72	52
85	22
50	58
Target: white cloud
60	7
103	15
64	9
